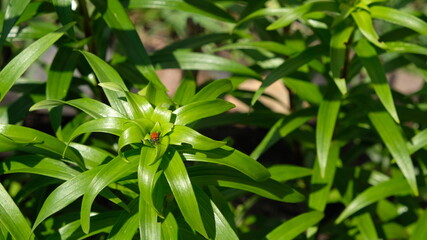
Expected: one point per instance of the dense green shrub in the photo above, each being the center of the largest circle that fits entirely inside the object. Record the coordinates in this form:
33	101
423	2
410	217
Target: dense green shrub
131	162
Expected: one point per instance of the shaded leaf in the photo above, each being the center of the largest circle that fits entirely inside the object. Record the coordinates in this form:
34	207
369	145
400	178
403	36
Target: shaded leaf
295	226
393	187
11	217
369	58
19	64
198	110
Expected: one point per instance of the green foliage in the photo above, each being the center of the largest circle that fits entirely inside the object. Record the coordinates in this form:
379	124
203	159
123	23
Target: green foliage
344	158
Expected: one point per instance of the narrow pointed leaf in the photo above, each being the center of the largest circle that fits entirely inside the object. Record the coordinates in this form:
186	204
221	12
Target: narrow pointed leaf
369	58
391	134
393	187
364	23
186	89
65	194
213	90
321	185
127	224
198	110
149	228
326	118
201	7
202	61
289	66
11	217
118	20
295	226
230	178
147	170
232	158
366	226
33	141
92	107
420	231
13	11
19	64
181	187
105	73
216	224
285	172
113	126
65	13
315	6
186	135
399	17
38	165
338	52
109	173
281	129
61	73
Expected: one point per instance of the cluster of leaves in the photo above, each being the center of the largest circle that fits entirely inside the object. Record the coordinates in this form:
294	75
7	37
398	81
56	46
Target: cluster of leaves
355	165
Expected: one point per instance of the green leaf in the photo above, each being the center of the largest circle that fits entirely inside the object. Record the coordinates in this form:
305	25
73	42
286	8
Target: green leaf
113	126
232	158
101	223
180	184
338	52
369	58
289	66
304	89
201	7
281	129
149	228
399	17
19	64
118	20
60	73
127	224
392	136
404	47
310	7
65	13
109	173
228	177
11	217
326	119
216	224
366	226
105	73
141	107
420	230
198	110
260	46
38	165
213	90
393	187
65	194
202	61
285	172
147	170
33	141
364	23
186	89
185	135
321	185
295	226
266	12
91	107
13	11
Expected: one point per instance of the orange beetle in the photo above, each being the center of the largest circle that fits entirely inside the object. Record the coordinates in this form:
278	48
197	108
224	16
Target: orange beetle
155	138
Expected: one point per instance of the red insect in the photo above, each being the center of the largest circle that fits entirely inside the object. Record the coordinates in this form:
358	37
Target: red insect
155	138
